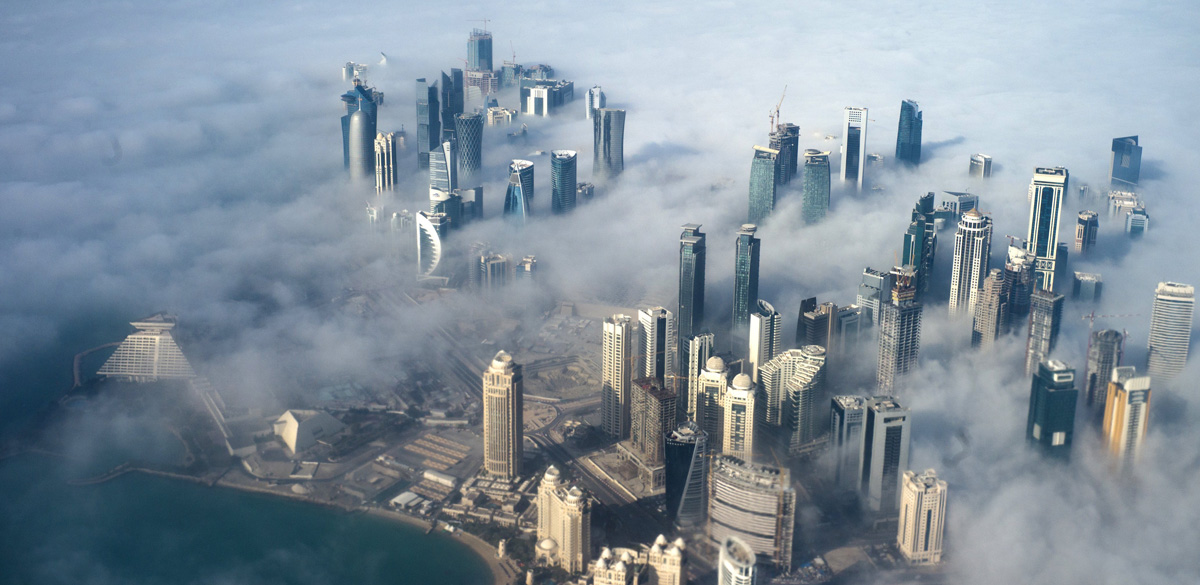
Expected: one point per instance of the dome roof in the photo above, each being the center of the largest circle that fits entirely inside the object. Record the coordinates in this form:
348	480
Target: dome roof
620	566
715	364
656	549
502	361
606	553
742	382
680	544
547	544
661	540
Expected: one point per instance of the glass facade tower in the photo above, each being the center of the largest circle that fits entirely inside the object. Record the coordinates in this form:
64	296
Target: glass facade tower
562	180
816	185
1050	425
764	171
745	279
908	135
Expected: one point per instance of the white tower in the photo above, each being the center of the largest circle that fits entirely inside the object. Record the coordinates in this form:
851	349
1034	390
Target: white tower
735	565
972	247
618	365
658	345
1170	329
503	418
922	517
766	336
738	432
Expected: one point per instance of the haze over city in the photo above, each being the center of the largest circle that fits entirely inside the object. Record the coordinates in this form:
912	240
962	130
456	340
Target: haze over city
188	160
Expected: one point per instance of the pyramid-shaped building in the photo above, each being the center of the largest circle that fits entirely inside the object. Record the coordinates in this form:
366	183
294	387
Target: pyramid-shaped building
149	354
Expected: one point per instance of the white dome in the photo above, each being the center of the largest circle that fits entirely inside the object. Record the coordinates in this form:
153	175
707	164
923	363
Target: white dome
742	382
715	364
661	540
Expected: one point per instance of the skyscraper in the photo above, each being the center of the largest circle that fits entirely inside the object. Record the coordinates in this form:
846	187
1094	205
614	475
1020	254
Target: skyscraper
854	146
1126	163
764	170
1050	425
972	257
754	503
766	336
652	416
149	354
884	453
876	289
1046	192
1019	282
469	133
367	100
745	278
385	162
620	351
429	122
1126	415
1137	221
1085	231
1170	329
981	166
493	272
443	168
736	563
595	101
908	135
517	199
922	518
562	180
1045	319
503	418
899	331
564	531
816	185
920	243
738	430
794	371
479	51
804	388
991	311
699	349
452	102
686	484
786	139
691	288
608	131
847	415
431	229
1087	287
1105	350
361	146
658	344
710	400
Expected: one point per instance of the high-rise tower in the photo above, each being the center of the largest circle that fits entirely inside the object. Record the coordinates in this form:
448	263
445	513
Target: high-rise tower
738	430
385	162
920	243
1045	319
469	133
908	136
691	288
1170	329
562	180
1050	425
367	100
786	139
518	198
854	146
429	122
1105	350
753	503
1126	163
479	51
618	364
884	453
709	400
595	101
431	230
1019	282
503	422
658	345
972	257
899	331
686	482
564	532
652	416
443	168
816	185
847	415
922	518
764	170
451	101
1046	192
608	130
1086	228
361	146
981	166
1126	415
745	278
736	563
699	348
766	336
875	290
991	311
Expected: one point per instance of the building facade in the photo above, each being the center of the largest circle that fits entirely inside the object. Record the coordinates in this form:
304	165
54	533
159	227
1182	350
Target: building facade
518	199
503	418
815	202
690	313
764	171
908	134
562	180
700	349
658	344
1105	349
1050	425
754	503
710	400
854	146
1126	416
991	311
766	336
981	166
972	259
1170	329
786	139
564	523
884	454
847	415
899	332
686	454
1045	319
385	162
608	131
1045	204
652	413
739	417
922	518
1087	225
736	563
618	364
745	278
1125	164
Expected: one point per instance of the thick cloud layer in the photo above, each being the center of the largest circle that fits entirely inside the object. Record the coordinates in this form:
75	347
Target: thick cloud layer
187	158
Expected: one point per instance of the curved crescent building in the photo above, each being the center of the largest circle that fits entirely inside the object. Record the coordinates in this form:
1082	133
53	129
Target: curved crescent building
686	450
431	228
755	504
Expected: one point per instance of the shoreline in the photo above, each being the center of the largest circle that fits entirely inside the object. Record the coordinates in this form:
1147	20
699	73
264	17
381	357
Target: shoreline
502	571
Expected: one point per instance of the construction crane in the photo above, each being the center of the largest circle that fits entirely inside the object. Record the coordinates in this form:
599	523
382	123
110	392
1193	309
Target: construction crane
485	22
774	115
1013	239
1091	319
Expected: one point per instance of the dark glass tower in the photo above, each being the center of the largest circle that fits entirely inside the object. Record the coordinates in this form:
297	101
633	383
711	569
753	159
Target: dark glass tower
1045	202
608	131
764	170
562	180
1045	319
452	101
816	185
786	139
429	122
908	137
361	146
745	279
520	191
361	99
686	474
1105	350
1126	163
470	146
920	242
1052	397
690	312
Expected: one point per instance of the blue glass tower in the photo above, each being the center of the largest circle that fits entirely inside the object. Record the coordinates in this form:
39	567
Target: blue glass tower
609	137
452	101
690	311
1126	163
745	279
816	185
429	122
366	100
562	180
764	171
520	192
908	136
469	131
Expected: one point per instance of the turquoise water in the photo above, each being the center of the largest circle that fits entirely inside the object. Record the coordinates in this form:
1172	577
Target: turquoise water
139	529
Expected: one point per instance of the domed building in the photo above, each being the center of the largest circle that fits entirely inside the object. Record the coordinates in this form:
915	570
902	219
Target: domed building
564	523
